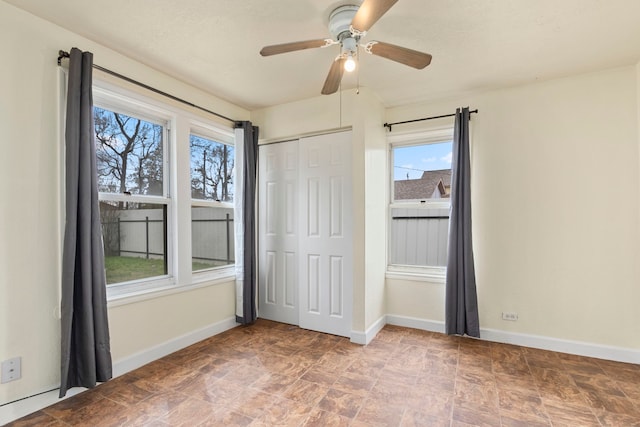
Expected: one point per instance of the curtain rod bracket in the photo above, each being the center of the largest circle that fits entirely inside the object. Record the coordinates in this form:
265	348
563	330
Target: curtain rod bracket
63	54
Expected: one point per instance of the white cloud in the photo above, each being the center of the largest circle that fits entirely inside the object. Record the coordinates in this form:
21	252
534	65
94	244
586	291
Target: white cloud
447	159
429	160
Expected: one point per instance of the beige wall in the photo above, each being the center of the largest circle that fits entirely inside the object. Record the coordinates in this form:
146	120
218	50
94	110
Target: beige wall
555	186
364	113
556	183
375	201
139	326
30	218
556	189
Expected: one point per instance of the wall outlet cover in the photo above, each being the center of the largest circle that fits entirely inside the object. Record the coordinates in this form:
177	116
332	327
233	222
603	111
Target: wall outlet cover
11	370
509	316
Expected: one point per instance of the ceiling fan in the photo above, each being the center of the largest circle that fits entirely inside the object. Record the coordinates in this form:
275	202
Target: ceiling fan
347	25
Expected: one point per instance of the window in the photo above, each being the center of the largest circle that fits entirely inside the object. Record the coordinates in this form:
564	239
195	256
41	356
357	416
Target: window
130	160
212	191
419	208
154	203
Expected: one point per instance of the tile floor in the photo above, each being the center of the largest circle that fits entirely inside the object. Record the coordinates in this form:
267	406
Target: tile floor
273	374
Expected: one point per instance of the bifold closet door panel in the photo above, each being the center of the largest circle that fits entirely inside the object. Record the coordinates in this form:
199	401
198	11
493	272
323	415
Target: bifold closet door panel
278	201
325	237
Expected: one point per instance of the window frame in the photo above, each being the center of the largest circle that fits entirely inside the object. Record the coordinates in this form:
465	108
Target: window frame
222	137
426	273
177	122
120	103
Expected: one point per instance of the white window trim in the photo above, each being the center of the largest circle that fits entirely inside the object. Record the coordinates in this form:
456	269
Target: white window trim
115	101
223	137
431	274
417	273
118	299
215	273
110	96
421	204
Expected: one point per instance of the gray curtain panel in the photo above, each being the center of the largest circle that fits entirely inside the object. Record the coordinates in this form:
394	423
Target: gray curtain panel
250	168
461	303
85	348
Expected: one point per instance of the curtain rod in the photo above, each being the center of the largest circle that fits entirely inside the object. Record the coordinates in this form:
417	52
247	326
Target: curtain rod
63	54
388	125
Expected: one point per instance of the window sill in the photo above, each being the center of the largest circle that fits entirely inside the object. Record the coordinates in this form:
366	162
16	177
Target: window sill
220	273
166	290
435	275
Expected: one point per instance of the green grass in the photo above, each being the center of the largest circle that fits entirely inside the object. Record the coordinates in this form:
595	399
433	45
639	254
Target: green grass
198	265
124	268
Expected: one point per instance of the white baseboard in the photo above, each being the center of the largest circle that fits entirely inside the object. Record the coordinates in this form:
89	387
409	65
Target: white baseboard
364	338
416	323
20	408
13	411
580	348
141	358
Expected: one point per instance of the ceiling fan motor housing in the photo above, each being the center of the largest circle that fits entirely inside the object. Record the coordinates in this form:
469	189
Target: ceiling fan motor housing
340	21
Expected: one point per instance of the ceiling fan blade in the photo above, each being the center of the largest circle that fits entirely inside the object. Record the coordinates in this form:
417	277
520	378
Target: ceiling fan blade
290	47
369	13
400	54
332	83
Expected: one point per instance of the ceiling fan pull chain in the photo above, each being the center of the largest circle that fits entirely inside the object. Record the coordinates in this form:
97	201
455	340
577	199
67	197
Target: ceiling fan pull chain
358	72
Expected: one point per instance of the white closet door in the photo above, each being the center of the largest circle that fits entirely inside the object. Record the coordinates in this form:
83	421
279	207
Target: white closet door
278	201
325	241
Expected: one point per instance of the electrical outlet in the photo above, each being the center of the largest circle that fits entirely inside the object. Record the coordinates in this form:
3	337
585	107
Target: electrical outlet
509	316
11	370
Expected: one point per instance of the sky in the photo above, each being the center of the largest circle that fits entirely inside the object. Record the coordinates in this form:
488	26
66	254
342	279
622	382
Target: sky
413	160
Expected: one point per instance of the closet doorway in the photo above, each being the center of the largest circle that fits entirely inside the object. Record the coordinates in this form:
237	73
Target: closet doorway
305	248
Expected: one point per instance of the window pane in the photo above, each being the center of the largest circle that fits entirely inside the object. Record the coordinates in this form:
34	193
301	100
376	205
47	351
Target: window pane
422	171
135	240
212	237
211	169
419	237
129	153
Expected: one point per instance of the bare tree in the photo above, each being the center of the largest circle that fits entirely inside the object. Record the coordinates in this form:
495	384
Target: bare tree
126	143
211	169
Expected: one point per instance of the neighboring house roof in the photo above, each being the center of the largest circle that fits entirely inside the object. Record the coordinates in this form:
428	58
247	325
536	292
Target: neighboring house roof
432	185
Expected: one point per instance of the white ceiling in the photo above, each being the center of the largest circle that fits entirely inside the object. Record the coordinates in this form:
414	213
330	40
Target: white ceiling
476	45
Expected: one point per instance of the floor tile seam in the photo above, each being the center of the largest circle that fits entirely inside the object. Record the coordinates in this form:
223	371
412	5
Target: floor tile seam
631	401
547	417
585	408
599	390
126	405
636	402
54	417
44	410
314	407
535	383
586	398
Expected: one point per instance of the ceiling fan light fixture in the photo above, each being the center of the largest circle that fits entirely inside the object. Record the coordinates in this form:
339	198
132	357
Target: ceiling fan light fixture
348	24
349	64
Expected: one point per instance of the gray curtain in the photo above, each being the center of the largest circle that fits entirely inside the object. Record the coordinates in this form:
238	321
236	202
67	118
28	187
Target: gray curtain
85	348
461	304
250	167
